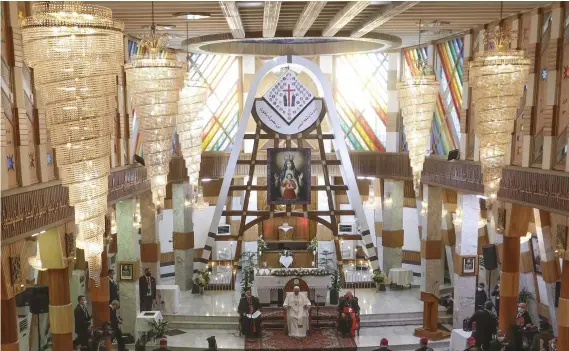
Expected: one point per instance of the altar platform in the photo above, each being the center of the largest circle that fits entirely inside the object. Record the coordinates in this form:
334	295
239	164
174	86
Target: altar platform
393	314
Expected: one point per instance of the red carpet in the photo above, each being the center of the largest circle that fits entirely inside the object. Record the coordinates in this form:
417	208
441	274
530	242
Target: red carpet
322	339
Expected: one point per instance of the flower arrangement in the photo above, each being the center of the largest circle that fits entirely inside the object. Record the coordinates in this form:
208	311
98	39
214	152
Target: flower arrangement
313	246
202	278
318	272
379	277
261	245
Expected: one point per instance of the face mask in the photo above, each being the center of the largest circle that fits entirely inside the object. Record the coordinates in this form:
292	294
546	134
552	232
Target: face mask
520	310
84	302
500	338
479	289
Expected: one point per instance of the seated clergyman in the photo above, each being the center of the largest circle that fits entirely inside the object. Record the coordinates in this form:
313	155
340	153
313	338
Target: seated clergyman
349	311
248	305
297	306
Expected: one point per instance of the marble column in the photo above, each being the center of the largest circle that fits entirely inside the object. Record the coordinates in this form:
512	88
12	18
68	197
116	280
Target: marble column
392	234
549	263
449	237
183	236
150	247
378	220
516	226
9	326
99	297
563	309
431	262
527	277
393	136
60	309
128	250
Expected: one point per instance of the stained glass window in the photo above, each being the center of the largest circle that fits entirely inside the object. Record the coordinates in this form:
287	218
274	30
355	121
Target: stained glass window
220	114
361	99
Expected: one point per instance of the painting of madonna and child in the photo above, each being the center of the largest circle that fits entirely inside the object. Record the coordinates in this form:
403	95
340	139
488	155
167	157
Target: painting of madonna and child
288	176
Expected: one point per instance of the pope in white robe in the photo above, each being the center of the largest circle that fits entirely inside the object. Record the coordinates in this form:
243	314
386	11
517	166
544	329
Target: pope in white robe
297	306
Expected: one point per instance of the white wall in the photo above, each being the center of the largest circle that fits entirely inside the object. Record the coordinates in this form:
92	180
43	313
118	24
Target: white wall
411	241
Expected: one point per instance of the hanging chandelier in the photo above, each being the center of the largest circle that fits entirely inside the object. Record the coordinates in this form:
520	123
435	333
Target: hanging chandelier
154	80
76	51
189	126
497	77
417	96
35	261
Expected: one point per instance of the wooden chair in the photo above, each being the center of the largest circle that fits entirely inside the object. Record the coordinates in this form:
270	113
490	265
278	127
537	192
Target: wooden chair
340	316
286	315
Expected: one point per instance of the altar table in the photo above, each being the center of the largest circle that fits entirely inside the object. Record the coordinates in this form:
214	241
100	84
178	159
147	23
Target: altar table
401	276
268	287
144	320
168	297
458	339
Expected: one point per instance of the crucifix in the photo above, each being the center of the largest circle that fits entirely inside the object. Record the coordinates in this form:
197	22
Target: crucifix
288	101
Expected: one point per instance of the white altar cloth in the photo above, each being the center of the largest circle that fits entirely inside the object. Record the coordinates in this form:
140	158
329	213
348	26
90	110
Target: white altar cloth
458	339
401	276
144	320
168	297
268	285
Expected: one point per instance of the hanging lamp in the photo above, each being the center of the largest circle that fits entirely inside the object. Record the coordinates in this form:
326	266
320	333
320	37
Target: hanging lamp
497	77
417	96
154	79
189	126
76	51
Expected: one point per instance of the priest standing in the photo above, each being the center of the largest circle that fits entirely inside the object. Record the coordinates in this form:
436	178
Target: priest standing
297	306
248	305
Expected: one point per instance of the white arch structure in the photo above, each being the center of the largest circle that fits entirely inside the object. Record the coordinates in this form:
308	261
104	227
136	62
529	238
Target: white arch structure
341	150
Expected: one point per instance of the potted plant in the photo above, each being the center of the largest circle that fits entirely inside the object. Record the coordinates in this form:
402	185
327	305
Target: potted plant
527	297
379	278
335	287
158	329
248	278
202	280
261	246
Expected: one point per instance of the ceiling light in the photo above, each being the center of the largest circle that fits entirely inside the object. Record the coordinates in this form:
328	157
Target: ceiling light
435	23
159	26
246	4
191	15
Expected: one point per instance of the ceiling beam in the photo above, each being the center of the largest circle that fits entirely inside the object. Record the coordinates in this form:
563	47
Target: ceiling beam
231	13
351	10
385	15
271	18
307	17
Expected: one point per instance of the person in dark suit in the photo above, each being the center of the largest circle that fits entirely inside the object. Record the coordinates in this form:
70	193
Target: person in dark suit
486	325
423	345
211	344
82	321
522	311
249	304
496	294
115	321
163	345
113	287
147	289
480	297
383	345
349	310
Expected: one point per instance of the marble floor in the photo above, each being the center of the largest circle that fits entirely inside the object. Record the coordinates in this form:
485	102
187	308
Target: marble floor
400	339
224	303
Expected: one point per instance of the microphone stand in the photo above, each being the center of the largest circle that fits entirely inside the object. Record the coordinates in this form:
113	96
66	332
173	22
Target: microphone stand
317	310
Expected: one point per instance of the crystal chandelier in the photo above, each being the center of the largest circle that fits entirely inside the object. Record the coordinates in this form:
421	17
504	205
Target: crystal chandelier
497	77
189	126
154	80
199	203
76	51
35	261
417	96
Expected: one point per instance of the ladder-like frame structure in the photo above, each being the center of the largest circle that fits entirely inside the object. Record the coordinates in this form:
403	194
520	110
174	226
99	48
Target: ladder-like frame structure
342	160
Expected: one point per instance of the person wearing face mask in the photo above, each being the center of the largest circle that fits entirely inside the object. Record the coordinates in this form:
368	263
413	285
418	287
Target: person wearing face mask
486	325
496	294
147	289
471	344
522	311
498	344
480	297
82	321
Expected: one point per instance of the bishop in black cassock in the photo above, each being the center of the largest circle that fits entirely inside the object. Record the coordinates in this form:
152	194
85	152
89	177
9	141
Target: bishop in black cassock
248	305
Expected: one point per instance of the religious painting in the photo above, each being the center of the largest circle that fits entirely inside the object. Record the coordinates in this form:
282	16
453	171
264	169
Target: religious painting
127	270
468	265
535	254
288	176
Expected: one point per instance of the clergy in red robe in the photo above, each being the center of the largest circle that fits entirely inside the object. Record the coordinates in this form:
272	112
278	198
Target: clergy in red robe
349	311
248	305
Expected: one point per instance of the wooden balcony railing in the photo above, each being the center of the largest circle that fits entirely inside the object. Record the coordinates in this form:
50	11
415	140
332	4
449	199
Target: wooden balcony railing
561	146
537	148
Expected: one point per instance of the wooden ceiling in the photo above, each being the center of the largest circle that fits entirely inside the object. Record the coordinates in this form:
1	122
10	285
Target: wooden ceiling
461	15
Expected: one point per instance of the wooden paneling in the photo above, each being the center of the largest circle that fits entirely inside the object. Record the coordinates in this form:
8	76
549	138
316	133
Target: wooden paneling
302	259
300	225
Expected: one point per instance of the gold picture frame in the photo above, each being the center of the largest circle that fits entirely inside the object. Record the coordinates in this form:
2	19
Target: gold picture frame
128	270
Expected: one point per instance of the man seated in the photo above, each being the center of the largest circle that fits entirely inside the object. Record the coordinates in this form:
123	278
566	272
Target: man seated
471	344
349	314
423	343
522	311
163	345
248	305
297	306
383	345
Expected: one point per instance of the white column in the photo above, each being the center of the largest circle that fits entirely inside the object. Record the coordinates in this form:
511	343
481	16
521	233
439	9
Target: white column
393	72
392	235
128	250
150	247
533	40
183	236
466	229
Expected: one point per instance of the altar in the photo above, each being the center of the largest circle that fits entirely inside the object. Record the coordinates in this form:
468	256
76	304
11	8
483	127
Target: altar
270	287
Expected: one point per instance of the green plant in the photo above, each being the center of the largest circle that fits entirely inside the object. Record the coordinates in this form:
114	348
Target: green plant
248	278
379	276
525	295
261	245
158	329
313	246
202	278
325	261
335	281
248	259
